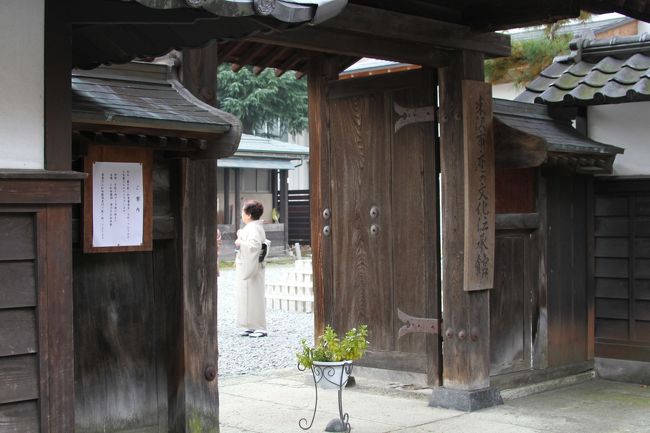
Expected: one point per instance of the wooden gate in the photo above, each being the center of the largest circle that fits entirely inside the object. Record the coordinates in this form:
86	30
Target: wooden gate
383	228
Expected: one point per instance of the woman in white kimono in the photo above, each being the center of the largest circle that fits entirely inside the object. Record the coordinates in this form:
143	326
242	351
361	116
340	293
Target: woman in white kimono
249	264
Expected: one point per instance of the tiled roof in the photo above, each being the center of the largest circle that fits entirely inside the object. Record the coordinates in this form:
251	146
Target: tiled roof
596	72
142	94
145	104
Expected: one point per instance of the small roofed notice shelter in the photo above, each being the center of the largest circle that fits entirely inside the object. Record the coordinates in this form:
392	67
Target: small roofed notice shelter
128	300
258	170
604	84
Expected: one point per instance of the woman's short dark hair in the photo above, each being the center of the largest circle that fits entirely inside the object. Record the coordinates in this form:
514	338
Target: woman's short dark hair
253	208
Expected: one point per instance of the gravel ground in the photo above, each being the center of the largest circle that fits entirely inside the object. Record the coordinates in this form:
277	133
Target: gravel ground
244	355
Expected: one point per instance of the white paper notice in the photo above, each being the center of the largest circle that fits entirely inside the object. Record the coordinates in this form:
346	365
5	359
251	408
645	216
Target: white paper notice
118	200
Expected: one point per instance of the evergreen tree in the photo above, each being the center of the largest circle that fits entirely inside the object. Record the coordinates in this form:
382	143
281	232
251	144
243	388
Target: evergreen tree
267	105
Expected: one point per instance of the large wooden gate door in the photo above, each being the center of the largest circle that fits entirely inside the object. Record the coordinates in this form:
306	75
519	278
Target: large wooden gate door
384	215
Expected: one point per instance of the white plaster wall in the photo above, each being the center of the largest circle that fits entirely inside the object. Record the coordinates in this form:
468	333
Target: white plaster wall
506	91
299	177
644	27
627	126
22	36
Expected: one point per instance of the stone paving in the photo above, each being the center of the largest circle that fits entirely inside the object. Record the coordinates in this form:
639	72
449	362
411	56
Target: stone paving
275	403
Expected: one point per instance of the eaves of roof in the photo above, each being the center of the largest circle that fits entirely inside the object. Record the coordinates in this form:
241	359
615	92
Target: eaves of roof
559	142
146	99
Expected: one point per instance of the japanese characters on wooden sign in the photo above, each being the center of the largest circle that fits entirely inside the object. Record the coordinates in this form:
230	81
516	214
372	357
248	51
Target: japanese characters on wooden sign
479	186
118	199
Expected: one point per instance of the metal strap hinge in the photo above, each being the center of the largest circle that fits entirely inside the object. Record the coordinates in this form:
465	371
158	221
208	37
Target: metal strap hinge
417	324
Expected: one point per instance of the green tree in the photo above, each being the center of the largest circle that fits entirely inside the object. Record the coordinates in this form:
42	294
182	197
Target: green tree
530	57
267	105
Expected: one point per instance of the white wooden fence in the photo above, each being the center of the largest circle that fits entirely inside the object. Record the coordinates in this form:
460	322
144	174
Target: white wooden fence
295	292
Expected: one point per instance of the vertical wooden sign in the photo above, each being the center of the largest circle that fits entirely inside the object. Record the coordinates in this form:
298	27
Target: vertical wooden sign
479	186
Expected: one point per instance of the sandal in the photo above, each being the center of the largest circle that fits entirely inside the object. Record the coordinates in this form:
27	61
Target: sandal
258	334
247	332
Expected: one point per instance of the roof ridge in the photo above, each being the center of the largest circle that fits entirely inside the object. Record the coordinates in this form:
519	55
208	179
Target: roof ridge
597	49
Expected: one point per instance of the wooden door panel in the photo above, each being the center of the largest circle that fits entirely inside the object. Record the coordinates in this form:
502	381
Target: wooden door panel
507	306
360	180
414	213
372	165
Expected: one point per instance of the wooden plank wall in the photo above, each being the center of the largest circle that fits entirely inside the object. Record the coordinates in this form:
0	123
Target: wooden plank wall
622	270
19	372
126	317
567	268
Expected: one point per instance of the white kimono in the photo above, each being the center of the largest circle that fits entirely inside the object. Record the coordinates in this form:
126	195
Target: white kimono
251	305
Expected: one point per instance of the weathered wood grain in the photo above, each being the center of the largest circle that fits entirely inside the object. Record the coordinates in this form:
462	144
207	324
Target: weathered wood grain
17	284
567	269
17	236
509	316
19	418
196	400
321	71
18	332
18	378
115	357
38	191
387	260
363	274
466	363
479	186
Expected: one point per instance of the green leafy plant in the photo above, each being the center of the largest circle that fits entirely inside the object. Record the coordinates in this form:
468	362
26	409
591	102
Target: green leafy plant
330	348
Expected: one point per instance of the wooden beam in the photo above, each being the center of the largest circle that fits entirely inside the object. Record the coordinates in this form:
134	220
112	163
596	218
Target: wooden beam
359	45
410	28
466	356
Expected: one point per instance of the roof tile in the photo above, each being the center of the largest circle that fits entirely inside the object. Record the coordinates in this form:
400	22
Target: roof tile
539	84
639	62
608	65
612	71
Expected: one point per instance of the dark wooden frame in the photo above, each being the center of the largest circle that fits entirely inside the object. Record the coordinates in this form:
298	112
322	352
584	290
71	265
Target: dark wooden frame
48	196
118	154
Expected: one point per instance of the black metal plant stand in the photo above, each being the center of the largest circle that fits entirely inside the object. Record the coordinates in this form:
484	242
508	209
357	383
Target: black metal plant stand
328	374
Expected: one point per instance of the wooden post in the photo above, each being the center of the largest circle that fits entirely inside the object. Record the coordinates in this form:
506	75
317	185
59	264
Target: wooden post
237	198
194	398
55	291
226	196
284	204
274	188
320	72
466	320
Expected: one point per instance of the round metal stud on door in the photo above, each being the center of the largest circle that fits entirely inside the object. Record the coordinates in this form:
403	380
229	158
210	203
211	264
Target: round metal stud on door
327	230
374	229
374	212
327	214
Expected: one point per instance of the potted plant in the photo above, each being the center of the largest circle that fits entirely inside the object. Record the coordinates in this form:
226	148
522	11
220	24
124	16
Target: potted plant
330	359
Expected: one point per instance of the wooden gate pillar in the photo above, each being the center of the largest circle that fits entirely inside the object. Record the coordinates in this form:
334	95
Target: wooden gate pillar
466	321
321	71
194	396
